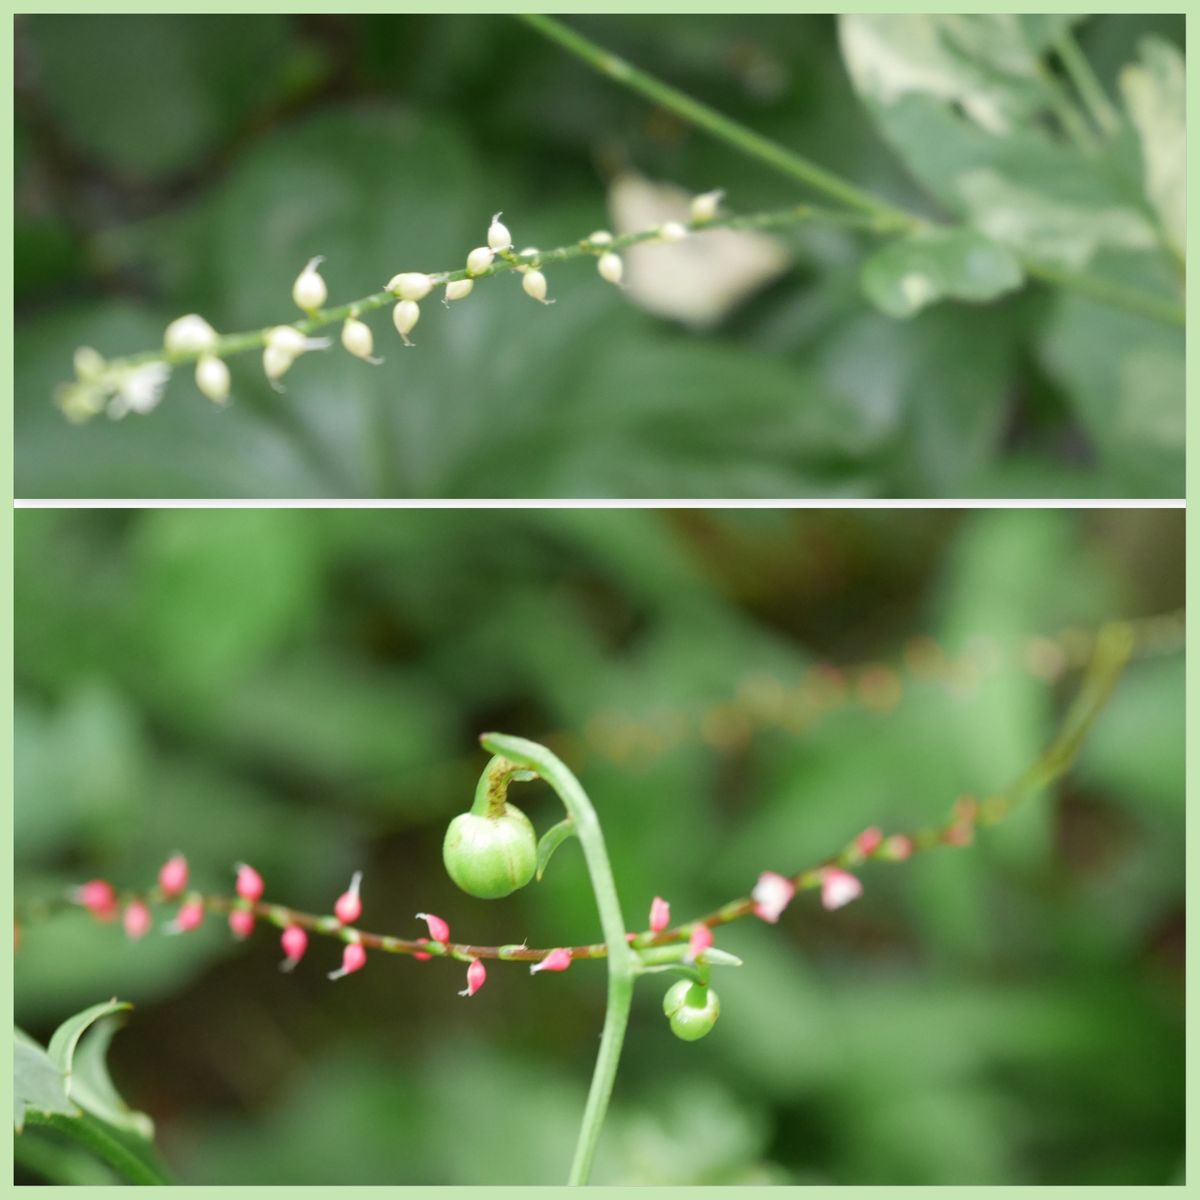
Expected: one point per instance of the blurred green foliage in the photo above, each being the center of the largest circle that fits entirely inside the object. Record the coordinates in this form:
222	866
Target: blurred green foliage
182	163
303	690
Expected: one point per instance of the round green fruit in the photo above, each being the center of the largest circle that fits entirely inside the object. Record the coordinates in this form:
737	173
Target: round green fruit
693	1009
490	857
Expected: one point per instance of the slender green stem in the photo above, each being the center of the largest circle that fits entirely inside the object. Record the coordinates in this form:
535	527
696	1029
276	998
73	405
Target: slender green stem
721	126
1090	90
621	964
795	166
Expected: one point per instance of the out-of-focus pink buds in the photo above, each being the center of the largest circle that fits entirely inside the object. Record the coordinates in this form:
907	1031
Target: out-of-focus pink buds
868	841
838	888
660	914
422	955
897	848
556	960
961	830
354	958
137	920
439	931
241	922
190	916
294	941
700	941
476	978
772	894
98	897
349	907
173	876
249	883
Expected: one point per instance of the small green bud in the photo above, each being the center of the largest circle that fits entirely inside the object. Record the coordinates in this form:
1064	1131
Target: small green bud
693	1009
491	857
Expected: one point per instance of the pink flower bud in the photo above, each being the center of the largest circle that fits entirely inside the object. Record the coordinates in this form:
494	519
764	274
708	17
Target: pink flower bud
660	914
137	920
189	917
772	894
422	955
354	958
439	931
838	887
241	922
868	841
173	876
961	833
98	897
249	883
898	847
476	977
294	941
349	907
700	941
556	960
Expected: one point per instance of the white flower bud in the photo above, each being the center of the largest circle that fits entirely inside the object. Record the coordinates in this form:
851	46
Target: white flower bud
706	205
459	289
309	289
672	231
610	267
276	362
189	335
89	364
479	260
405	316
358	339
600	238
529	252
410	285
289	340
498	237
212	378
534	283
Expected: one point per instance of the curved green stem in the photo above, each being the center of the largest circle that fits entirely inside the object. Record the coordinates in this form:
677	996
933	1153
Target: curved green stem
522	753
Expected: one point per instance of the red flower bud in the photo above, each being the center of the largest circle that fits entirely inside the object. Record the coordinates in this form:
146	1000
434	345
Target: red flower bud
476	977
137	920
422	955
772	894
439	931
354	958
868	841
294	941
189	917
349	907
660	915
700	941
98	897
838	888
249	883
241	922
173	876
556	960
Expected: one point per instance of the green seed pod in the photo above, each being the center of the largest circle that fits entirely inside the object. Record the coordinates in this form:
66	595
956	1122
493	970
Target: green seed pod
692	1008
490	857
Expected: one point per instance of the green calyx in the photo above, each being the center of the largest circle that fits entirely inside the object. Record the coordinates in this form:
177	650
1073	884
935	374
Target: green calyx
491	851
692	1008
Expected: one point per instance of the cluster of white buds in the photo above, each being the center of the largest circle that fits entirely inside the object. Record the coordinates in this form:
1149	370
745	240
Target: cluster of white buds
309	290
285	344
192	334
410	287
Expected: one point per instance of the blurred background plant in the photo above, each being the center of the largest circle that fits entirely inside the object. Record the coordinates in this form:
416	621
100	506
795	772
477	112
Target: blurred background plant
304	690
179	163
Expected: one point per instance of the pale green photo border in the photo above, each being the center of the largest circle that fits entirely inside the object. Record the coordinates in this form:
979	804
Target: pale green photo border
1193	572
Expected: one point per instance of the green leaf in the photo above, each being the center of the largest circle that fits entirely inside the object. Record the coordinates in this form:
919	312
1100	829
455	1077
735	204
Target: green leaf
1154	92
37	1082
968	105
913	272
93	1088
550	841
66	1037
